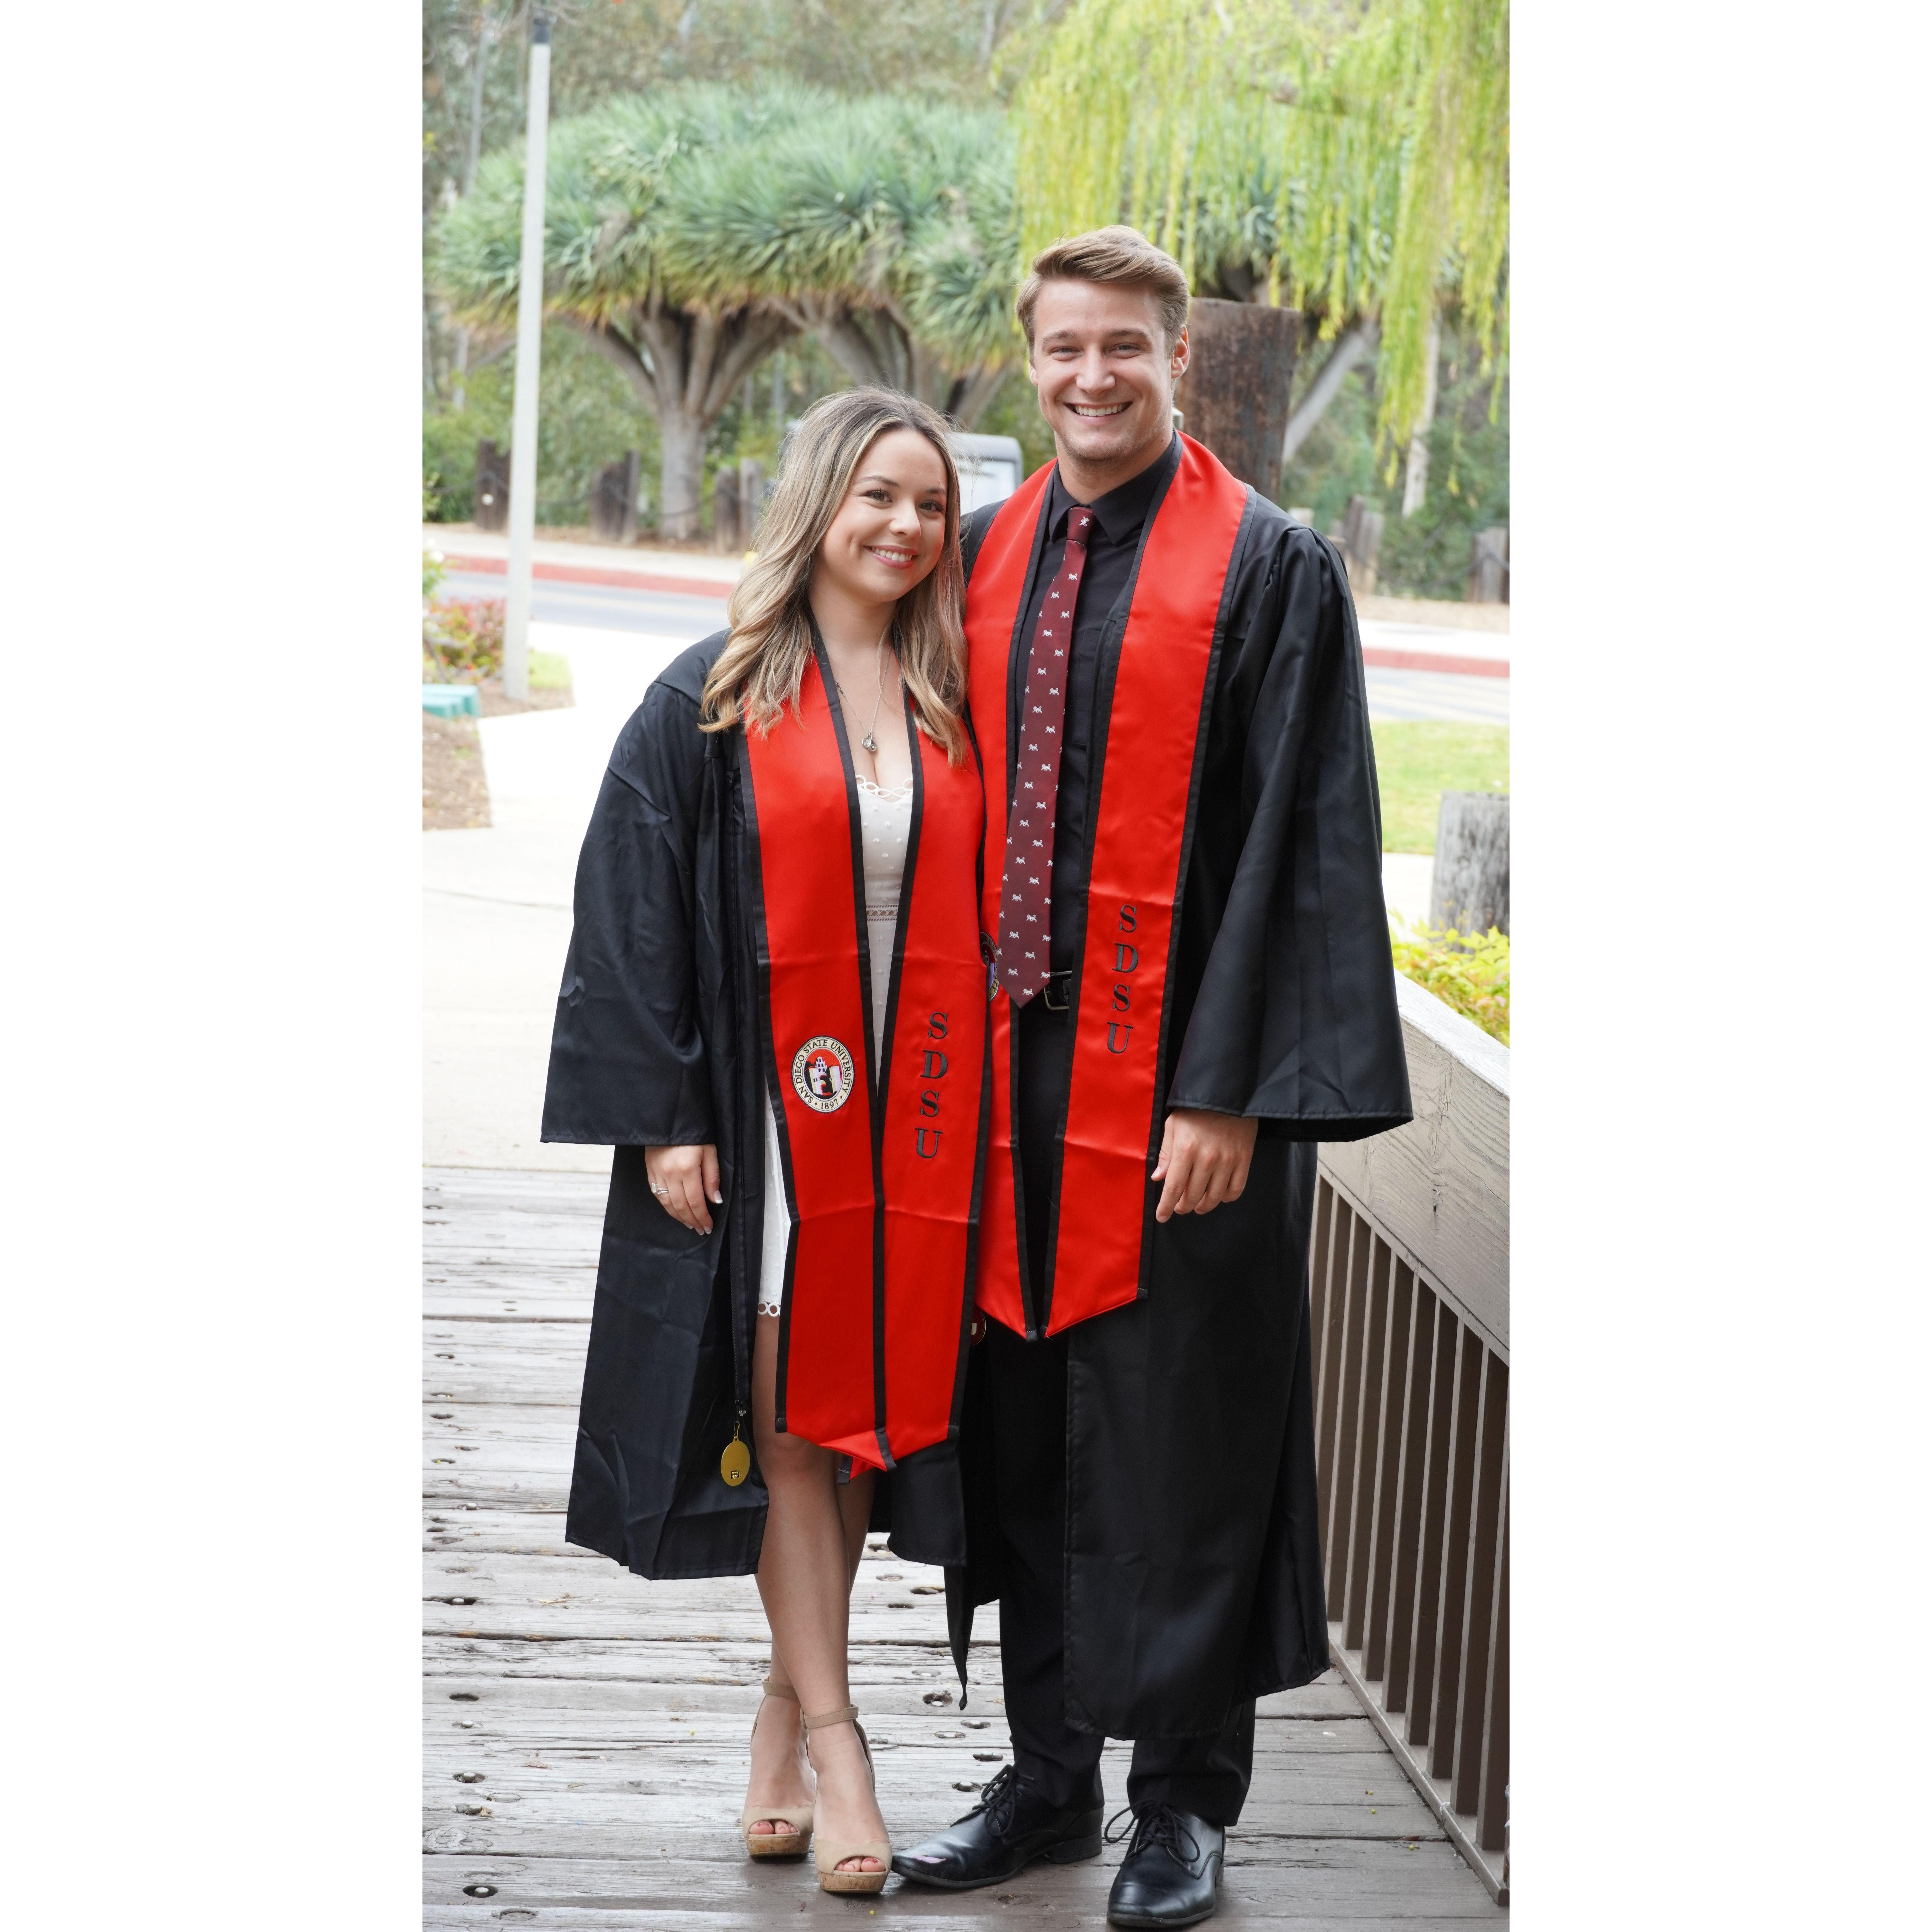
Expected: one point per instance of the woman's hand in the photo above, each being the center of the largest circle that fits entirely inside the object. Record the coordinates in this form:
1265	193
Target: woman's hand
684	1179
1204	1161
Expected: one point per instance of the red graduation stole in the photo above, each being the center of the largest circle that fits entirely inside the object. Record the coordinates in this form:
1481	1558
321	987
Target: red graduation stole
1140	822
881	1163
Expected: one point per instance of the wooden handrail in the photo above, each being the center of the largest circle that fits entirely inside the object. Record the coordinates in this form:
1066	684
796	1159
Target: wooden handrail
1409	1292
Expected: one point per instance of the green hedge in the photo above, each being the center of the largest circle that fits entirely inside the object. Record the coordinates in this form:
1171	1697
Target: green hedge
1471	975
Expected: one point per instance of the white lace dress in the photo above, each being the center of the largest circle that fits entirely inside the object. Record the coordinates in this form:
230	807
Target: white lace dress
885	822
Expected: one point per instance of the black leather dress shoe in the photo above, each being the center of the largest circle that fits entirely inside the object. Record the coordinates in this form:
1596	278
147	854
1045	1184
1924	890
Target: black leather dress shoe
1171	1872
1010	1827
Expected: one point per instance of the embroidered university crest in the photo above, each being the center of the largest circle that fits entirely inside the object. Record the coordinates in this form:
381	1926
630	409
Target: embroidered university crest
821	1074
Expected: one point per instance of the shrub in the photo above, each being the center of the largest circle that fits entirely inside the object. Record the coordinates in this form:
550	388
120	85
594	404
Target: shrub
1468	973
462	638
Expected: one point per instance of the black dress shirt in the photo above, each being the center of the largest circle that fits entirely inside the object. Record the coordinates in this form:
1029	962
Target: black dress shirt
1119	518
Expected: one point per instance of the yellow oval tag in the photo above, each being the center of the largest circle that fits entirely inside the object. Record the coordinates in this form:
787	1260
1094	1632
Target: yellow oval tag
735	1465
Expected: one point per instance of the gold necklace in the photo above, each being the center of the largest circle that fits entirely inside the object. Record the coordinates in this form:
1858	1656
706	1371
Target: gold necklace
870	741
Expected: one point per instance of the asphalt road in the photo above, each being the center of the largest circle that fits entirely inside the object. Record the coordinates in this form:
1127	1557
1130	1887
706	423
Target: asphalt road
1400	694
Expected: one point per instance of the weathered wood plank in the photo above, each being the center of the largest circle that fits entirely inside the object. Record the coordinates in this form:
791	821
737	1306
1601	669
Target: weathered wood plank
1310	1883
547	1191
585	1730
525	1363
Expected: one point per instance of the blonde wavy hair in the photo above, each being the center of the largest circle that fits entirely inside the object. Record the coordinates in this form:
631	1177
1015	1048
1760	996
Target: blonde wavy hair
762	666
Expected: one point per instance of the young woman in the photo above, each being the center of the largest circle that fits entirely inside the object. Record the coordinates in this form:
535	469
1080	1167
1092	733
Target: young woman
774	1009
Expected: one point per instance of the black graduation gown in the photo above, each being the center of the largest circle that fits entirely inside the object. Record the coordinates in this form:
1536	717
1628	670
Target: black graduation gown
655	1045
1193	1577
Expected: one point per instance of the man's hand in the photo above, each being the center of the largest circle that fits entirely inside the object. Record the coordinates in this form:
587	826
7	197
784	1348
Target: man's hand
684	1179
1203	1159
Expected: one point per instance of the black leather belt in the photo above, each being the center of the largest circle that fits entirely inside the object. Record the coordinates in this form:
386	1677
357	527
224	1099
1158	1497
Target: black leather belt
1060	984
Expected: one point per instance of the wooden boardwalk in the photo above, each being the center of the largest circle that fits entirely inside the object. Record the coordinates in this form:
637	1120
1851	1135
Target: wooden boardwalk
584	1731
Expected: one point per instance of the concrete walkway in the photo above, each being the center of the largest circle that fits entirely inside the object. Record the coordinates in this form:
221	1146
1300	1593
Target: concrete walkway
496	909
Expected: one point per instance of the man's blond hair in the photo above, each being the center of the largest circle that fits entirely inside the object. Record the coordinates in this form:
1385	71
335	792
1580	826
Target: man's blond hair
1116	254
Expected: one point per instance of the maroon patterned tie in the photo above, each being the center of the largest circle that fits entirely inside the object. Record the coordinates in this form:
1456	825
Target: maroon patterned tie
1026	892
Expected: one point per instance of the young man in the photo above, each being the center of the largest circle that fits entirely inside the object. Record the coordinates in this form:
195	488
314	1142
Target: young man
1191	984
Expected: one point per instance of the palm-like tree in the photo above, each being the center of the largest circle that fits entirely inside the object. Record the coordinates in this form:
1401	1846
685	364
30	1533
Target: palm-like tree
618	176
690	232
884	226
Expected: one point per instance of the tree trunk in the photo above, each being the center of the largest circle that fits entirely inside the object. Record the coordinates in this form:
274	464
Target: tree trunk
680	474
969	396
1471	890
685	365
1351	347
1415	483
1234	395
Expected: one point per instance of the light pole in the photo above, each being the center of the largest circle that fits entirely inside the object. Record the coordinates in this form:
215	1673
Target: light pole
530	344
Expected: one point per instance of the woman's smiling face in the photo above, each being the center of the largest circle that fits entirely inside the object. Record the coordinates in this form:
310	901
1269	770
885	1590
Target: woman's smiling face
887	534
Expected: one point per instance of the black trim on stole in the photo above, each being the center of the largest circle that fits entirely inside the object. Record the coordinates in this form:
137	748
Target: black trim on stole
875	1078
891	1036
972	535
982	1142
1106	676
1016	670
768	1046
743	1290
1106	673
1156	1125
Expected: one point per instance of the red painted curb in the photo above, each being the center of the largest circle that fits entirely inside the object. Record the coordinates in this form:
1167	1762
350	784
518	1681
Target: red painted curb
705	587
1389	660
578	573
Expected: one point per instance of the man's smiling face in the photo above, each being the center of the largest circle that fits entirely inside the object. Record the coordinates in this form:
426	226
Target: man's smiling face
1105	373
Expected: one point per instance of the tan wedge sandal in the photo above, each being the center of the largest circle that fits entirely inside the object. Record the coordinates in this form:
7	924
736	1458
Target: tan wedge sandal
788	1844
829	1857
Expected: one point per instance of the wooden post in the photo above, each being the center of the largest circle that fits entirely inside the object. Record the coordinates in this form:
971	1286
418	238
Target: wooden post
724	512
1488	566
1359	538
751	499
1234	395
613	501
492	508
1470	891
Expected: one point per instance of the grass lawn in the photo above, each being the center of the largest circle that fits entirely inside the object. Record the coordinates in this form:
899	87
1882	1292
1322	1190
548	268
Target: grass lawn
550	672
1416	763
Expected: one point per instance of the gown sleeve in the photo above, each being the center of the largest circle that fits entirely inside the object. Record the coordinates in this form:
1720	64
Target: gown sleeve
628	1064
1295	1020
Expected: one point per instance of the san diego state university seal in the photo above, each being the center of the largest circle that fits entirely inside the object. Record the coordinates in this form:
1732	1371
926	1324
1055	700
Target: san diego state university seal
821	1074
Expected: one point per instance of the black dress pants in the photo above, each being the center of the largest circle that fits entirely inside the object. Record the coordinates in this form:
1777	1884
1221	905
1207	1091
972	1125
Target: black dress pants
1206	1775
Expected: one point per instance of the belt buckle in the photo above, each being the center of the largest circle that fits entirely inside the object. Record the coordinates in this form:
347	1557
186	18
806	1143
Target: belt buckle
1063	981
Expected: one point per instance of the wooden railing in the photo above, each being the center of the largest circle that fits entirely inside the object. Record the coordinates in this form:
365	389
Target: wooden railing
1410	1285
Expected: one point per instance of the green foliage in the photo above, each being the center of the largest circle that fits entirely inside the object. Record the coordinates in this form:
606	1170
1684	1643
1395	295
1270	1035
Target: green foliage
433	573
885	225
1353	158
1470	974
1416	761
892	206
463	640
550	670
1427	555
587	415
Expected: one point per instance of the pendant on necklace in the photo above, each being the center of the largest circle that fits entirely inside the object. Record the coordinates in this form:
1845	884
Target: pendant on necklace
869	742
